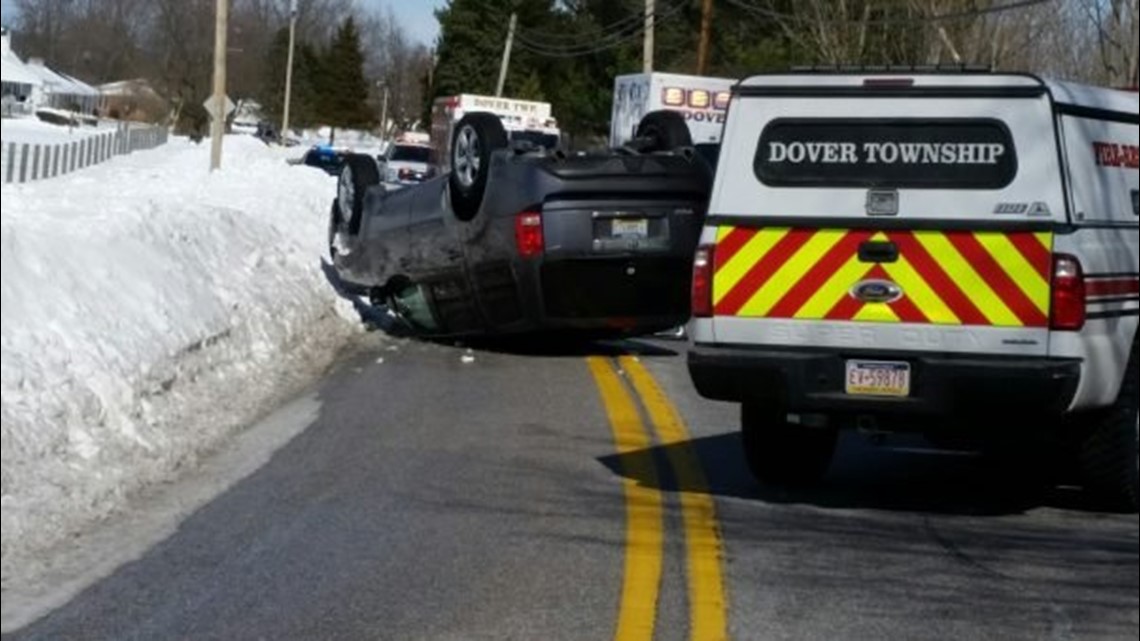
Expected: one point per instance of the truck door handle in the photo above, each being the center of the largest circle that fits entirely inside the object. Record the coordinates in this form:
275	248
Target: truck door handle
878	252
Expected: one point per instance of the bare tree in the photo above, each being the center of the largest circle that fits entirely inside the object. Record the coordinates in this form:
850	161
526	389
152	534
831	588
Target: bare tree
396	65
43	26
974	31
1115	24
170	44
837	30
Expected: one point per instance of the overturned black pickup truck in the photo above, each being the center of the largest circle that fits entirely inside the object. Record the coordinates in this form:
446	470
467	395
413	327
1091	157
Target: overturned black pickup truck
512	238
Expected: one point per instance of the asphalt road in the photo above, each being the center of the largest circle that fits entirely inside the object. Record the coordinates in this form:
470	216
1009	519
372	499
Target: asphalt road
591	495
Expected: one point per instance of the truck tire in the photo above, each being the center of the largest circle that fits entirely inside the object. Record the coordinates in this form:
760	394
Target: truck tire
781	454
667	129
476	138
359	174
1109	454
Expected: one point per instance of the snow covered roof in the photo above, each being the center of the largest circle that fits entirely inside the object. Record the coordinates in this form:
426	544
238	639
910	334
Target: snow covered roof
14	72
83	89
133	87
54	82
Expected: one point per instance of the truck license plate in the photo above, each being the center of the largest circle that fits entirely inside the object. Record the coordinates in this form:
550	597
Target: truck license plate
630	228
877	378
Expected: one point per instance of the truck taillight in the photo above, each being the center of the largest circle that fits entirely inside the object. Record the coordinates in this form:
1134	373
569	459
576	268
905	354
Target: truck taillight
703	282
528	234
1069	304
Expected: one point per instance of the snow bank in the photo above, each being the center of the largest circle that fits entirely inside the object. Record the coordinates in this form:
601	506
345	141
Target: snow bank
34	132
149	311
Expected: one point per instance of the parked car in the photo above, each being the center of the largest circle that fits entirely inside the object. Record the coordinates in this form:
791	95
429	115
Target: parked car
325	158
406	164
516	238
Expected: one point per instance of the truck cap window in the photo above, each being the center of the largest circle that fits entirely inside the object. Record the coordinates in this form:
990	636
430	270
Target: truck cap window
411	153
898	153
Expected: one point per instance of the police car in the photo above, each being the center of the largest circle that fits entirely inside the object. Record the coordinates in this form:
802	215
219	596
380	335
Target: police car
947	253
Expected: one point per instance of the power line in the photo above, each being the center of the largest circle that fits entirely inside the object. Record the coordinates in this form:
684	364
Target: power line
598	45
627	27
751	7
619	27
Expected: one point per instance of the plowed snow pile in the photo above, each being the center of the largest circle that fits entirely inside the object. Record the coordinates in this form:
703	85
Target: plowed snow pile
149	311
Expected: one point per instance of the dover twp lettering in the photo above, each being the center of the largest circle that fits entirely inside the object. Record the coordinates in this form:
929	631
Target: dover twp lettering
884	153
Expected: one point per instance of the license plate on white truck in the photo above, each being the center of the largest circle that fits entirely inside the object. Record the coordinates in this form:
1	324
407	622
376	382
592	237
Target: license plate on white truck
878	378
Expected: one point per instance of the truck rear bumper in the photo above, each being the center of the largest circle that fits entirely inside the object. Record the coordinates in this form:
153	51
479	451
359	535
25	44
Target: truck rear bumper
813	381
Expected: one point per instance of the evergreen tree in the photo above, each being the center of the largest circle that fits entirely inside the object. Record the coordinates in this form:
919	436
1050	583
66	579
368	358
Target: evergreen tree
343	85
272	92
472	35
580	87
307	72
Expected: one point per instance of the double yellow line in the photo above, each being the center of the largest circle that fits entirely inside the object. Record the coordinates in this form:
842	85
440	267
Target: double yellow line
645	501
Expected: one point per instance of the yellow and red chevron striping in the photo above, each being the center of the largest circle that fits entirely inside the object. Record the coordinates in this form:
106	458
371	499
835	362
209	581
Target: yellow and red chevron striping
949	278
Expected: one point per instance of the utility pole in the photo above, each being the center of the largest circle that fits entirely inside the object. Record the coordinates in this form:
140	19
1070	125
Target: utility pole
507	56
706	37
650	27
289	68
218	125
383	86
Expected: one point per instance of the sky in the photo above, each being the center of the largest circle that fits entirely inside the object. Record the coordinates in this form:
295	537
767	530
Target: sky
417	16
5	10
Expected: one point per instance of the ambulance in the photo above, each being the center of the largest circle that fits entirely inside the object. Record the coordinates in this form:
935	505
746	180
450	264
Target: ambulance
526	121
703	101
949	253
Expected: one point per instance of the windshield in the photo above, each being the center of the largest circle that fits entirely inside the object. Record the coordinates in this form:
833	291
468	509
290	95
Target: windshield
536	138
410	153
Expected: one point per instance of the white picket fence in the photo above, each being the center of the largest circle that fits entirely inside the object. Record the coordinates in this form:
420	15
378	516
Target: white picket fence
22	163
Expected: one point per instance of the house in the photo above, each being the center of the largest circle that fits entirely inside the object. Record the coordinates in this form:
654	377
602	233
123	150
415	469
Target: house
32	85
132	100
60	91
18	82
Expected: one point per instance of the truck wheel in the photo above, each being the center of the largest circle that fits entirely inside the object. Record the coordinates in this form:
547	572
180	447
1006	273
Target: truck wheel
667	129
1109	455
359	174
476	137
779	453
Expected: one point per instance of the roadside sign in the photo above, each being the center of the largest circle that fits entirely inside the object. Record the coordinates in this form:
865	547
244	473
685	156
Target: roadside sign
211	106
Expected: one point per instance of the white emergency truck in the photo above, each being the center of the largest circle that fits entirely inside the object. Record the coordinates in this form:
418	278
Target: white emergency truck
525	121
703	101
950	254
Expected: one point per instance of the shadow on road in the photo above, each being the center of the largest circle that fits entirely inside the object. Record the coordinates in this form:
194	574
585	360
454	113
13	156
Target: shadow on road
905	476
555	345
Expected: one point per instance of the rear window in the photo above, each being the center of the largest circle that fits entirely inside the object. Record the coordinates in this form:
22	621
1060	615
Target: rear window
891	154
402	153
536	138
